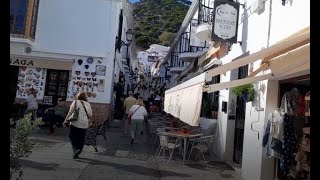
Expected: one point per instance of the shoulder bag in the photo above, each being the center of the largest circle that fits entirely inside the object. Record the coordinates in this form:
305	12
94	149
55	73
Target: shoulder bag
74	116
91	124
129	117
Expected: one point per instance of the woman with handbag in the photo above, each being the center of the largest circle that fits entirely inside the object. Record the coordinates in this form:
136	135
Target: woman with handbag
136	117
78	119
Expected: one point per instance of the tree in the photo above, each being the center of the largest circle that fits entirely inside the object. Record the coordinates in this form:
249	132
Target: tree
154	17
167	37
142	41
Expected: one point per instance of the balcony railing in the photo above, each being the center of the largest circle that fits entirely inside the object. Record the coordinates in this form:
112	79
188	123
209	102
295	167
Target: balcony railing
175	62
205	13
185	46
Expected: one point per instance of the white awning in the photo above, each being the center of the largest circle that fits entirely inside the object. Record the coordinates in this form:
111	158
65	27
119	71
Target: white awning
288	56
293	62
184	100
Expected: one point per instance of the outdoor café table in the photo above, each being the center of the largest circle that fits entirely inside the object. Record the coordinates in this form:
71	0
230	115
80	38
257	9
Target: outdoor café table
181	135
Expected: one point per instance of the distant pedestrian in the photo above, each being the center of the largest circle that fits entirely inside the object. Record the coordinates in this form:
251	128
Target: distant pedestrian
138	114
79	126
32	103
128	103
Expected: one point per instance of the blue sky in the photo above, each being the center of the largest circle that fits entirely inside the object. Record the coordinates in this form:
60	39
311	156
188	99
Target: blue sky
133	1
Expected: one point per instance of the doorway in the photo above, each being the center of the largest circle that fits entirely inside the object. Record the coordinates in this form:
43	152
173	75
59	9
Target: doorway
57	84
239	121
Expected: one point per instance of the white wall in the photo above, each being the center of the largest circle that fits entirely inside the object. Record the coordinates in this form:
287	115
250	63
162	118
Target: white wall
253	32
77	26
103	94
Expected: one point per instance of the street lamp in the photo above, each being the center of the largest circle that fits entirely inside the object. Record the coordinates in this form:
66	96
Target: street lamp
129	37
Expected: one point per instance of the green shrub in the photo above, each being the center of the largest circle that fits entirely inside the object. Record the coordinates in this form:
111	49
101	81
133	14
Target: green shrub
20	145
247	88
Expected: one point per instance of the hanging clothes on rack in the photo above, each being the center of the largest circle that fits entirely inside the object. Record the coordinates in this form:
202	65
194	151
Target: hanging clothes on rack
289	144
290	102
273	135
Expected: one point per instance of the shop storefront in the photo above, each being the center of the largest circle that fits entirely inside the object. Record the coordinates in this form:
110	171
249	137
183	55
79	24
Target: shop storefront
61	78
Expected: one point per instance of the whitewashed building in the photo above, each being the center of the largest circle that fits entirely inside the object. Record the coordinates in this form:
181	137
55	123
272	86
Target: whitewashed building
272	53
62	47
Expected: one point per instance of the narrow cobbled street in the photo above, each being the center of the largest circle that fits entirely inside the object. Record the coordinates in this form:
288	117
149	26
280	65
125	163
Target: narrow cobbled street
52	159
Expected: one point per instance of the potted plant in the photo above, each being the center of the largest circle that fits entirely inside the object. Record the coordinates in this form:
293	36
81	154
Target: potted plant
245	91
20	144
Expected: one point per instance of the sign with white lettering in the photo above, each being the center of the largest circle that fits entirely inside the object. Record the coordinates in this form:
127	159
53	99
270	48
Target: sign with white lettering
225	21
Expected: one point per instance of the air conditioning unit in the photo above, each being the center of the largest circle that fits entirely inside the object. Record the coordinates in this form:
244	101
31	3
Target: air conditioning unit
203	32
258	6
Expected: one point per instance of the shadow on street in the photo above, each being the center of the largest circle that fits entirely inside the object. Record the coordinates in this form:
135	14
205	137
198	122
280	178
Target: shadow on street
134	168
37	165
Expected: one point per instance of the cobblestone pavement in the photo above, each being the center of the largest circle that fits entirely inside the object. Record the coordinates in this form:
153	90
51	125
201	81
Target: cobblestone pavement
117	159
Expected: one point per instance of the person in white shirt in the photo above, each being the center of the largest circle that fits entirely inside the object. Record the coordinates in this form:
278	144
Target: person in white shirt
78	127
32	103
138	113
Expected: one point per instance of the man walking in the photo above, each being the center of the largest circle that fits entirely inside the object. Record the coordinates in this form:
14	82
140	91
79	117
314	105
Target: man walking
128	103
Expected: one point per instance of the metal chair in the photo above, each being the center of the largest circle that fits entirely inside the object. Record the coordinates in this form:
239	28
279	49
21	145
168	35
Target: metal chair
166	145
203	145
102	130
91	137
153	130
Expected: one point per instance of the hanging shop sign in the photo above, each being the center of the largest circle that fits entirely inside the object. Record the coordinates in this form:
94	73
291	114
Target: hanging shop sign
225	21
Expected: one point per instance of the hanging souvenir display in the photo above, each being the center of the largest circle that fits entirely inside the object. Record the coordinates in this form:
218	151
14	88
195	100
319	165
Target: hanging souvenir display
90	60
87	73
47	100
101	85
30	72
37	75
93	74
86	66
78	73
80	61
101	70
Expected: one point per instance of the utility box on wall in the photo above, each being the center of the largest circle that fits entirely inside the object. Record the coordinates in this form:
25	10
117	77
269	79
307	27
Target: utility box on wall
224	106
258	6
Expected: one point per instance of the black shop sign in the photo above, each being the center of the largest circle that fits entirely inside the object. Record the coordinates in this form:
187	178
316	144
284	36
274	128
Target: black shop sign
225	21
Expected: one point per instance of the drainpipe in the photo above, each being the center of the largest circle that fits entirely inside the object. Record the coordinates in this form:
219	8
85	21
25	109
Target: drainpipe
269	27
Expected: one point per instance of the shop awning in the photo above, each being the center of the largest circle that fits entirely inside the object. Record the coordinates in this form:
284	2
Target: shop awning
291	55
37	62
184	100
294	61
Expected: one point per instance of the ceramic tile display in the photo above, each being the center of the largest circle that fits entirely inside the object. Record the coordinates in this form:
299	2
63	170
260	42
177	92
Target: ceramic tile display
88	75
31	78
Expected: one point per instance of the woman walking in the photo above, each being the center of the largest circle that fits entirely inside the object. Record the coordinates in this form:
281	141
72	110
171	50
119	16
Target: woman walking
32	104
79	125
137	113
